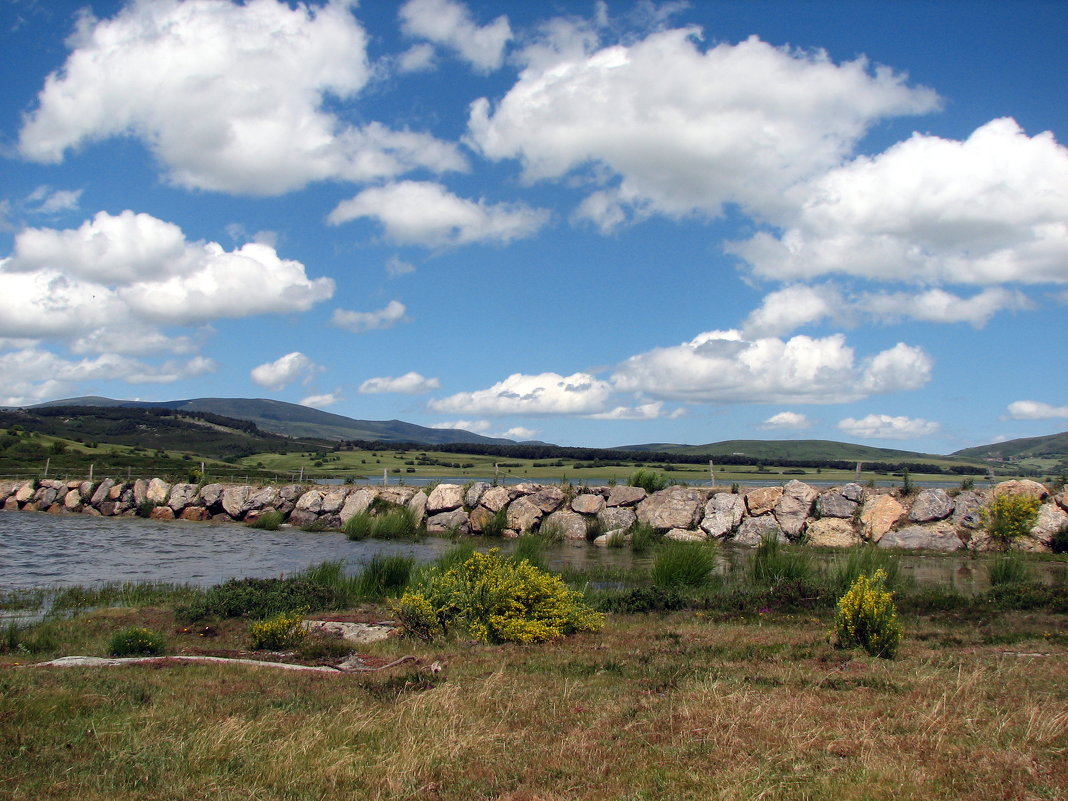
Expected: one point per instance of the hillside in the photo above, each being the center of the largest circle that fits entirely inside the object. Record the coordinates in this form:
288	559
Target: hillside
293	420
1051	446
800	449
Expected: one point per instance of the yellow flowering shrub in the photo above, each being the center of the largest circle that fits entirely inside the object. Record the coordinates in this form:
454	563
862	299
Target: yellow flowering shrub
1010	517
278	633
866	616
495	599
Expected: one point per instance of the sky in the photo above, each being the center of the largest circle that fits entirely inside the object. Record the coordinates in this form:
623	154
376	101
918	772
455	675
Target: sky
587	223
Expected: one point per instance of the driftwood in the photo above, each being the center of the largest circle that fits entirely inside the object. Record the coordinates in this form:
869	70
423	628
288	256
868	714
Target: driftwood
96	661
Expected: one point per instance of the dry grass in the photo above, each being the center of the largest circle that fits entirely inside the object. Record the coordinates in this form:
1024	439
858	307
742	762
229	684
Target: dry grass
673	707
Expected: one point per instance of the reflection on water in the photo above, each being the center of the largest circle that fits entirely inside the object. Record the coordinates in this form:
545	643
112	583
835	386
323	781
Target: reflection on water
42	550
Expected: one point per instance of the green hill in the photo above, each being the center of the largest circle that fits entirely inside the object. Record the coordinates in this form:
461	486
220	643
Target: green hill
802	449
1051	446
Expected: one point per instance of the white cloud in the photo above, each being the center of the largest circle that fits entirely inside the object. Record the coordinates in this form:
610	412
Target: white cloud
883	426
476	426
284	370
642	411
425	213
449	23
418	58
988	210
1035	410
46	200
797	305
686	129
322	401
32	375
381	320
408	384
116	278
520	433
229	97
786	421
396	267
722	367
546	393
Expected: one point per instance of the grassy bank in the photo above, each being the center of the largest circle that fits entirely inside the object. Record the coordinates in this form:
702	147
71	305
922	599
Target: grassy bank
741	695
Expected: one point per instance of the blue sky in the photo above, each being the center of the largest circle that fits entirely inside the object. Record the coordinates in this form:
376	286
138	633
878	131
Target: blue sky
590	223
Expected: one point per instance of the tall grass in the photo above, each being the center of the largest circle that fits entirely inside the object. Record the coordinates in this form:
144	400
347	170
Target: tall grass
775	563
495	526
391	523
531	548
125	594
684	564
384	577
862	560
1008	568
268	521
642	538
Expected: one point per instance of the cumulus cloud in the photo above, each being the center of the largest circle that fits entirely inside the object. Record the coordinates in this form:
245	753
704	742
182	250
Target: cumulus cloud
408	384
519	433
359	322
786	421
425	213
991	209
396	267
475	426
322	401
1035	410
284	371
642	411
121	276
449	23
797	305
687	129
46	200
722	367
32	375
229	97
545	393
883	426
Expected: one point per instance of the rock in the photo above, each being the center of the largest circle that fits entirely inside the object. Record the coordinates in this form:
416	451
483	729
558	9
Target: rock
72	501
8	488
853	492
303	517
588	504
356	633
835	503
523	515
442	522
478	519
85	488
140	491
45	496
931	504
614	517
761	501
878	515
474	494
445	498
417	506
156	491
10	504
548	499
211	495
233	500
793	506
723	514
571	525
161	513
935	537
182	495
290	492
625	496
1051	519
966	508
1062	500
674	507
357	503
311	502
260	499
608	538
495	498
683	535
197	513
832	532
1021	487
525	488
116	491
25	492
397	495
754	529
56	509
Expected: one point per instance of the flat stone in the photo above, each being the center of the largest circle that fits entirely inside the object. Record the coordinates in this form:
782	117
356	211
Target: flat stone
442	522
625	496
935	537
832	532
878	515
356	633
685	535
445	498
548	499
930	505
588	504
762	500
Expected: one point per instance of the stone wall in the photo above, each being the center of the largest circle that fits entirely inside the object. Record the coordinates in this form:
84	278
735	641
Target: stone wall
842	516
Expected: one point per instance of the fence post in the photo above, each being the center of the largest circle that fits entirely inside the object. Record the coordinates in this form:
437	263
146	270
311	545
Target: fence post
48	461
91	473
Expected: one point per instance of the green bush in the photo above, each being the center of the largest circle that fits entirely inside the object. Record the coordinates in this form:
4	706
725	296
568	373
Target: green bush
683	564
492	598
1059	542
645	599
279	633
268	521
866	617
1009	517
648	480
774	563
259	598
136	642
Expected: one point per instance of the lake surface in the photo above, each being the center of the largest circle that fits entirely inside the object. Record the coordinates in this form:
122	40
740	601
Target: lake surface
42	550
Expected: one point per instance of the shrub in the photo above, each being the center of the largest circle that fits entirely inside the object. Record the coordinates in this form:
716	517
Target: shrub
268	521
645	599
865	616
359	527
279	633
1008	568
136	642
648	480
494	599
259	598
1009	517
1059	541
683	564
774	563
385	576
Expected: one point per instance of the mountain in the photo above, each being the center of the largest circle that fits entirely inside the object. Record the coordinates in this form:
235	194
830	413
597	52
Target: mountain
1051	446
799	449
294	420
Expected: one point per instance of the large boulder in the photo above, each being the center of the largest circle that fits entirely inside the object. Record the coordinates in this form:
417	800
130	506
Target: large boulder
72	501
674	507
523	515
754	529
762	500
1051	519
25	492
613	517
878	516
445	498
934	537
474	494
930	505
495	498
157	490
311	502
793	506
397	495
417	506
445	522
101	493
832	532
1024	486
625	496
261	499
571	525
211	495
234	498
588	504
182	495
836	503
548	499
357	503
966	508
723	513
140	491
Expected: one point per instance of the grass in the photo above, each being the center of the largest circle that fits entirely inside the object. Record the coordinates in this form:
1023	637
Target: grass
388	523
683	564
384	577
776	563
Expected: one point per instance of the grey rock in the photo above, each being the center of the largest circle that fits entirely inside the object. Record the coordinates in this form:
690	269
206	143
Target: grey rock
357	503
234	498
966	508
182	495
474	494
495	498
417	506
588	504
1051	519
684	535
674	507
453	520
157	490
333	500
835	503
754	529
311	501
101	493
211	495
548	499
445	498
523	515
626	496
613	517
935	537
930	505
571	525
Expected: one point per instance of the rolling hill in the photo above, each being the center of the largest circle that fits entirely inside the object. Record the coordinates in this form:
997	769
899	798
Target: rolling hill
1051	446
806	449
